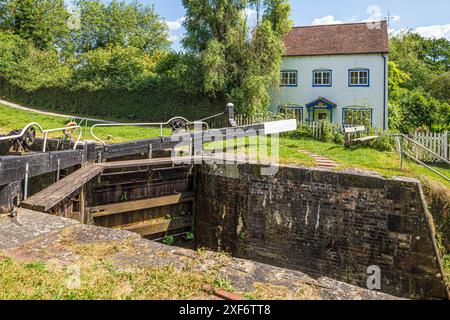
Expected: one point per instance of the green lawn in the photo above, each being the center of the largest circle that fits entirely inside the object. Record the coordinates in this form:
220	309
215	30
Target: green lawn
384	163
12	119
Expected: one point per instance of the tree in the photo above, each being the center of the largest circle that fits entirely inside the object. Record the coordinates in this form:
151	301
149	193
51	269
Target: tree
440	87
437	53
397	79
44	22
113	67
120	24
237	65
29	68
419	82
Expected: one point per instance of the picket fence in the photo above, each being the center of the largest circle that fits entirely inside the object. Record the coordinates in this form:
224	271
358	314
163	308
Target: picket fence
242	120
436	142
316	127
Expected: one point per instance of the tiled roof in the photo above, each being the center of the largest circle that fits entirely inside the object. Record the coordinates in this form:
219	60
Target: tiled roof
354	38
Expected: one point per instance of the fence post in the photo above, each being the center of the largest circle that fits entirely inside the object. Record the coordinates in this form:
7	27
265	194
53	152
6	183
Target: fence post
445	142
401	153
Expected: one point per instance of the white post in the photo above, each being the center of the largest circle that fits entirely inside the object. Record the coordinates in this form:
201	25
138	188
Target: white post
445	141
25	187
45	142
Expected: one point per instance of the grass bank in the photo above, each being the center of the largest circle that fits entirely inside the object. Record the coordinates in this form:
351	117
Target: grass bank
13	119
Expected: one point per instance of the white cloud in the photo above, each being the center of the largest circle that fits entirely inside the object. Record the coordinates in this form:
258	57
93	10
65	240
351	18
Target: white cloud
435	31
326	20
175	25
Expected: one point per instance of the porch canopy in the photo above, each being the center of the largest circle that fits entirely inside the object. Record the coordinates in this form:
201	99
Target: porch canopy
320	104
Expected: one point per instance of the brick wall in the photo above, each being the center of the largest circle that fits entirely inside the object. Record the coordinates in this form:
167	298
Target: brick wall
321	222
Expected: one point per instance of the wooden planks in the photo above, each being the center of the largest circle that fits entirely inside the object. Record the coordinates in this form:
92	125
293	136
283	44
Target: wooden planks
363	139
57	192
152	162
155	226
129	206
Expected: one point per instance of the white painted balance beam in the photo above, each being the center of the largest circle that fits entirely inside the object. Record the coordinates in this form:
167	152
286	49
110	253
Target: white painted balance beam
280	126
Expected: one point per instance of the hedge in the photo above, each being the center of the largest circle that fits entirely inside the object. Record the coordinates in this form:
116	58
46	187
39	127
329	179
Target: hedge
157	102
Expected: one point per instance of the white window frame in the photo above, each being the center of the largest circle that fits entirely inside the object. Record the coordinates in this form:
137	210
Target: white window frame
292	78
320	75
359	75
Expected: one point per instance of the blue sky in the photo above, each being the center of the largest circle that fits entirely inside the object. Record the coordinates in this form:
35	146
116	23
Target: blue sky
430	18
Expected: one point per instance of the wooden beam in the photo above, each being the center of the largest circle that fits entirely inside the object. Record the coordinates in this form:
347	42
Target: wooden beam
155	226
49	197
152	162
128	206
12	168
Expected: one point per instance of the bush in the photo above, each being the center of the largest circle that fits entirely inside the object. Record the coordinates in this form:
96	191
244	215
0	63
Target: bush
338	137
384	142
327	134
303	131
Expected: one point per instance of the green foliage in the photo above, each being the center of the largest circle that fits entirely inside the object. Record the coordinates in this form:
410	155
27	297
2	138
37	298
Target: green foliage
168	240
37	265
120	24
397	78
113	67
158	100
327	133
12	50
419	109
384	142
303	131
223	283
236	63
419	83
440	87
111	59
43	22
39	69
29	68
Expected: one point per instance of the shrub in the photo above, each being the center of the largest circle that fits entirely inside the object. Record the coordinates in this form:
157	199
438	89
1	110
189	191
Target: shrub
338	137
384	142
303	131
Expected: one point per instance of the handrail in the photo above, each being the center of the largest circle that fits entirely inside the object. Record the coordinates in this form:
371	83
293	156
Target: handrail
143	124
417	160
45	132
421	146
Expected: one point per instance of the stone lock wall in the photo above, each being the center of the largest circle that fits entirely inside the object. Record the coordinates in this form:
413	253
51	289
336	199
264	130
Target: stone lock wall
324	223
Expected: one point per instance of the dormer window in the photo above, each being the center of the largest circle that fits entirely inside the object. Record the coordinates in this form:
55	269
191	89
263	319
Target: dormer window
288	78
322	78
359	78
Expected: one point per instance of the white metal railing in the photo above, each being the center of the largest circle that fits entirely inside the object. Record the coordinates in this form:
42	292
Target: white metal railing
439	143
45	132
144	124
64	129
406	147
